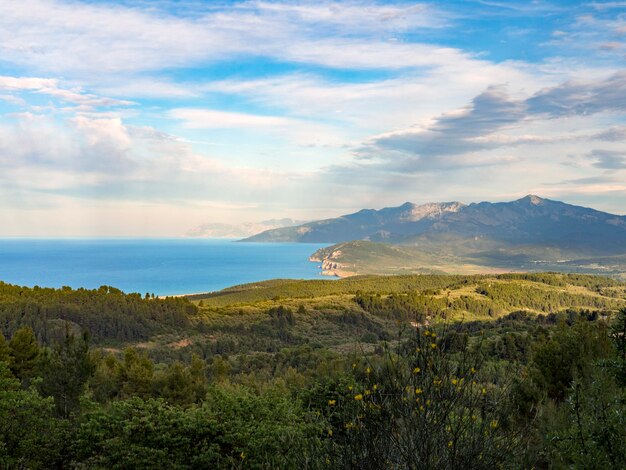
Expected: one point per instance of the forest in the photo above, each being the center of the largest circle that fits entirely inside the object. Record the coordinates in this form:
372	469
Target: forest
401	372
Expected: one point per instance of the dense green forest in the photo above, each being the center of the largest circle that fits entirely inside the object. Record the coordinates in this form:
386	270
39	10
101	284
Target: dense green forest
107	313
507	371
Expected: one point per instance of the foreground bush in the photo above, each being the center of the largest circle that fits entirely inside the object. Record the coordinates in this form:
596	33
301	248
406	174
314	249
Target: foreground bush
424	407
232	429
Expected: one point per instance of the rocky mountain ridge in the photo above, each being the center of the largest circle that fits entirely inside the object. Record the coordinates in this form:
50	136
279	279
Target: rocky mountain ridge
530	221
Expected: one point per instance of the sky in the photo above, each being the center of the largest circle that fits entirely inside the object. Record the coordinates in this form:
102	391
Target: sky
149	118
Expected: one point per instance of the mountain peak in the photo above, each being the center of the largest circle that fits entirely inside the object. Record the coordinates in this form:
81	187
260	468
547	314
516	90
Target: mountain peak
533	200
431	209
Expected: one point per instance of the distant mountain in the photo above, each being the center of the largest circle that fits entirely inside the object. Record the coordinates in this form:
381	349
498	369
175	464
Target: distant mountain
532	222
391	224
247	229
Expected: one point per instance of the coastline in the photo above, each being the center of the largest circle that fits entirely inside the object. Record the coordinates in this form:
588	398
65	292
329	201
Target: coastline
331	267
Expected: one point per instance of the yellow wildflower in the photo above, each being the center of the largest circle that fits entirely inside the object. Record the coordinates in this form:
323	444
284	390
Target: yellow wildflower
494	424
433	345
242	455
358	397
375	387
330	433
484	391
417	370
332	402
418	391
449	443
368	370
473	370
455	381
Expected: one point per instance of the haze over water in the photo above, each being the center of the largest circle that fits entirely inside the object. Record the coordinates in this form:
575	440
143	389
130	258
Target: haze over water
159	266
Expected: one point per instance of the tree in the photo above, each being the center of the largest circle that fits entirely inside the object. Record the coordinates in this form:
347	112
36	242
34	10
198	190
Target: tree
105	384
618	334
567	354
5	352
176	385
24	415
24	352
136	375
65	371
220	369
593	428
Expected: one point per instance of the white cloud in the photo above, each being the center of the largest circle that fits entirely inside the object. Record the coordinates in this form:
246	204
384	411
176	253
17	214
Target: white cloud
27	83
15	100
43	34
208	119
373	106
89	157
144	87
51	87
359	16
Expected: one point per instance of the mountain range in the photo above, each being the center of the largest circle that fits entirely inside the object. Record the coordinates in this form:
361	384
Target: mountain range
507	235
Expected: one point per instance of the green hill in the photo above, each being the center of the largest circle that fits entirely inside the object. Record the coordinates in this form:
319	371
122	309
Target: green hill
459	257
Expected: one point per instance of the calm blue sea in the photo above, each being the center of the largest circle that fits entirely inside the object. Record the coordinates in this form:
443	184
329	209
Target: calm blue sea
160	266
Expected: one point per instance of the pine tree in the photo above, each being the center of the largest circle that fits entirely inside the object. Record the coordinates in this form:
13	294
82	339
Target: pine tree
5	352
65	371
24	352
136	374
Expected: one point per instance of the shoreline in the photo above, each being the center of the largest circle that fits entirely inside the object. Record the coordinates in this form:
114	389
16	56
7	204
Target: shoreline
330	267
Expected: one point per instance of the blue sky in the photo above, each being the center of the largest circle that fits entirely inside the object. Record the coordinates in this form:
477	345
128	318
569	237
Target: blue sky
153	117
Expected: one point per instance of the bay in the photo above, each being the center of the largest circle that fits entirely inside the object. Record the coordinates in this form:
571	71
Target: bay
160	266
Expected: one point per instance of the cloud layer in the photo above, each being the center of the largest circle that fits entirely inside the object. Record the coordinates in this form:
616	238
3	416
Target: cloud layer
129	117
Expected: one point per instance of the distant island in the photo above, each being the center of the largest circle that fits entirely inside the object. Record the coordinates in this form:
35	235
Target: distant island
528	234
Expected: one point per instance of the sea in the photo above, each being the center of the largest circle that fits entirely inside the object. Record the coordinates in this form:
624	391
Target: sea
160	266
